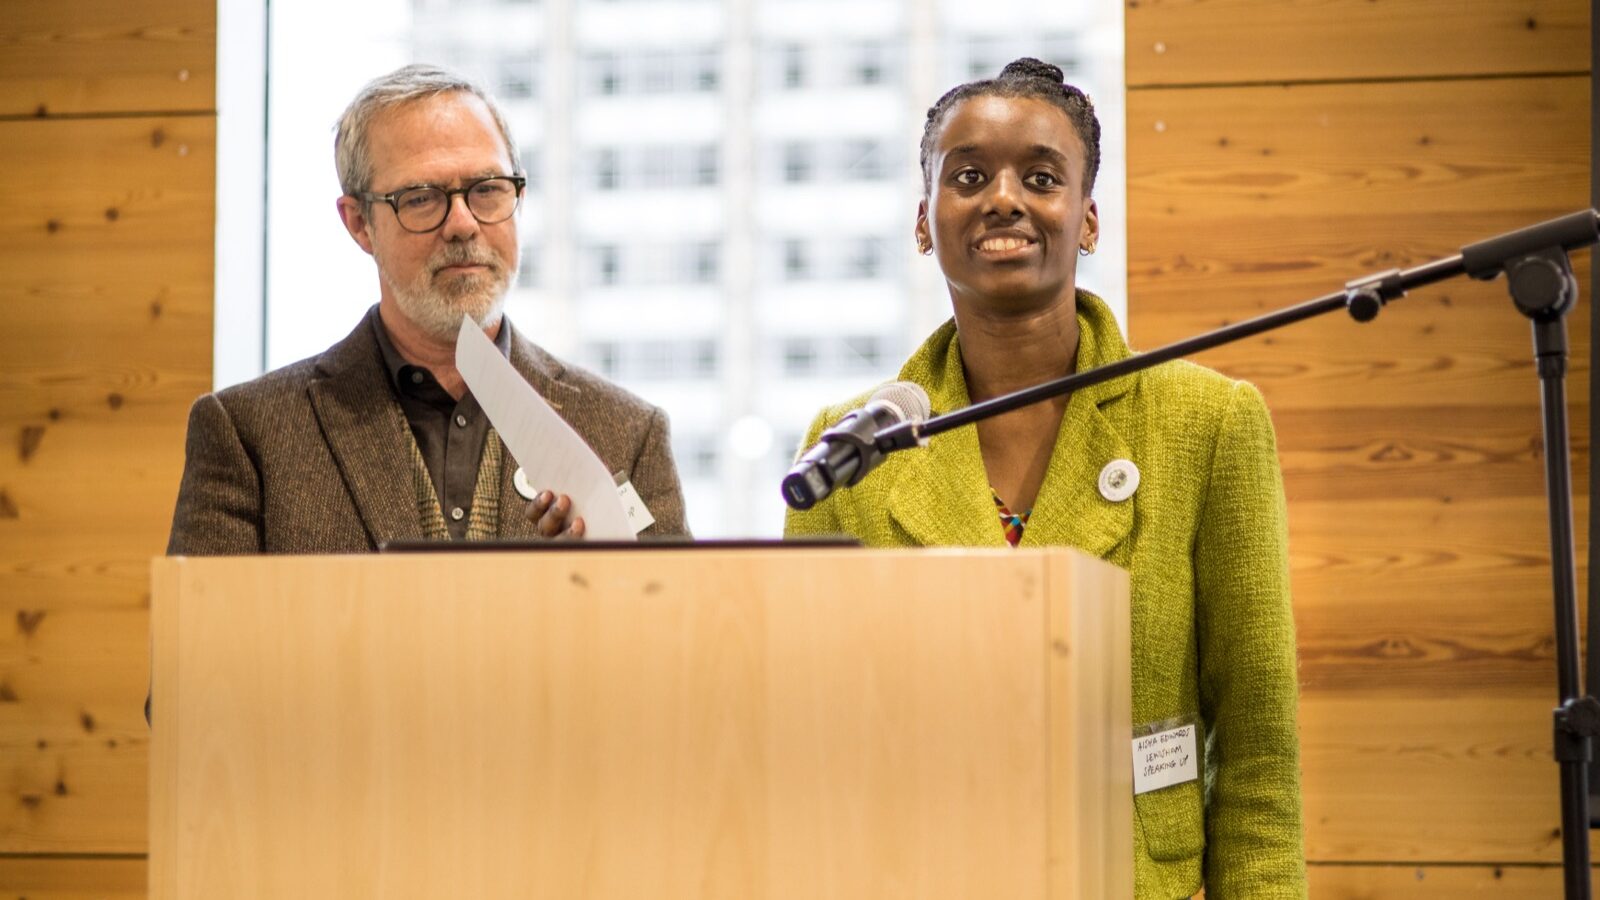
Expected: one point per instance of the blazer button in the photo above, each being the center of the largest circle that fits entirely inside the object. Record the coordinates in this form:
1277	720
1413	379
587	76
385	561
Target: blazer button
1118	480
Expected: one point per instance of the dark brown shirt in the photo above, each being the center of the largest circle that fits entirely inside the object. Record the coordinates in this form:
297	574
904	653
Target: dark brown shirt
449	432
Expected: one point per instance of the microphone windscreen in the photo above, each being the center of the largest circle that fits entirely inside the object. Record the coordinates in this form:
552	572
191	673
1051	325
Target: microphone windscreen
906	396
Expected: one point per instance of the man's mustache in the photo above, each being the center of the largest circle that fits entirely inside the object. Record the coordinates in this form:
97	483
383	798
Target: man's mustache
460	255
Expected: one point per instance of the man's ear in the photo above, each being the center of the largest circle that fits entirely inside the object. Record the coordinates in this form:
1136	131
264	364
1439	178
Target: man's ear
353	213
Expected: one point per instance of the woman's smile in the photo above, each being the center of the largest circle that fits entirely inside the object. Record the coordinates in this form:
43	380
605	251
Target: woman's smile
1005	246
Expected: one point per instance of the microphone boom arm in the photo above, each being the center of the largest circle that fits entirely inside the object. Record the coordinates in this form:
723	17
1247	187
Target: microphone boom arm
1363	298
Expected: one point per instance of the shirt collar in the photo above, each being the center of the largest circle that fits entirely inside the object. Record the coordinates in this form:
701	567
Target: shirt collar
396	365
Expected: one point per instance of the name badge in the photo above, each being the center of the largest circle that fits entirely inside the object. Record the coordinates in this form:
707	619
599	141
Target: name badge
639	517
1165	757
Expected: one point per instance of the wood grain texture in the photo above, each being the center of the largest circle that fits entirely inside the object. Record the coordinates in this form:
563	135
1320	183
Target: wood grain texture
1449	454
713	724
84	878
73	740
1089	700
163	837
1403	596
65	57
1258	197
1229	41
1244	201
107	309
107	300
1427	882
1451	776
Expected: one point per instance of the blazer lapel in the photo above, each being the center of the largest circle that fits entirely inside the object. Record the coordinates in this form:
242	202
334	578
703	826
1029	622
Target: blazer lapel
357	411
941	496
544	373
940	493
1070	508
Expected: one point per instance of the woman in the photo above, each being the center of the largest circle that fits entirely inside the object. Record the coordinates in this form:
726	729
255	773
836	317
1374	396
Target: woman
1170	473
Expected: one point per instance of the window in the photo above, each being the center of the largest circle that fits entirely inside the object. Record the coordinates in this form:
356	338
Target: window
865	259
703	359
532	165
605	168
796	162
862	353
655	166
656	72
607	261
707	255
863	161
704	66
516	79
845	258
796	263
695	262
650	72
528	269
705	165
602	73
799	356
603	356
983	56
794	66
654	359
696	455
867	65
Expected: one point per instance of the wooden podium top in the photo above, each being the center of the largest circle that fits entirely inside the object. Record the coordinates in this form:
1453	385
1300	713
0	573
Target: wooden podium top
702	723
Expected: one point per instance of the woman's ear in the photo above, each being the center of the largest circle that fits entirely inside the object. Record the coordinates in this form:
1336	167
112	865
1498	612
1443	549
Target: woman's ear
922	233
1091	224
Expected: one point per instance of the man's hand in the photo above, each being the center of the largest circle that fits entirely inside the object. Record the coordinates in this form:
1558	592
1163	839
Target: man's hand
549	514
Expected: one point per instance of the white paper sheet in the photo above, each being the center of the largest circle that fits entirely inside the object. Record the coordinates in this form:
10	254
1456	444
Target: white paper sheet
553	456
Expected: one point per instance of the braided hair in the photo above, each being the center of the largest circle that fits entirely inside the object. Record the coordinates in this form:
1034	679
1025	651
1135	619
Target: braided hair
1026	77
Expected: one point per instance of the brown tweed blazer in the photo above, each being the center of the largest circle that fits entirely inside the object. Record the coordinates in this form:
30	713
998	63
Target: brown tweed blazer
310	458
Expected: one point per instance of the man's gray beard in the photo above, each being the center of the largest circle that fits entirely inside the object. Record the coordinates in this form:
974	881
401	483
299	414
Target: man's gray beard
437	311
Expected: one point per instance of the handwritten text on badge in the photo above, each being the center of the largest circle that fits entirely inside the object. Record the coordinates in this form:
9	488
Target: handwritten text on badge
1164	759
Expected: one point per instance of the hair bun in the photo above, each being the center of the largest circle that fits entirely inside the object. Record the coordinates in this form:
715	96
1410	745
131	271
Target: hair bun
1028	67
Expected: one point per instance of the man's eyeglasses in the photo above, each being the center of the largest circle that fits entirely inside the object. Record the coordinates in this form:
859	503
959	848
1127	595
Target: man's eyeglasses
422	209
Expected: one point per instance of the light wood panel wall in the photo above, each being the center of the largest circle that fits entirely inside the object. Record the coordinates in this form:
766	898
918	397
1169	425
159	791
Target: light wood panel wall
107	132
1275	151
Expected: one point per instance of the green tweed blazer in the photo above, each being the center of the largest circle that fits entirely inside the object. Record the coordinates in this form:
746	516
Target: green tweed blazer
1205	539
315	458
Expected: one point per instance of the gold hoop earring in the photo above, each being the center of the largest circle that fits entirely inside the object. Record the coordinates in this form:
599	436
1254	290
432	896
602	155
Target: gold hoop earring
925	249
1086	251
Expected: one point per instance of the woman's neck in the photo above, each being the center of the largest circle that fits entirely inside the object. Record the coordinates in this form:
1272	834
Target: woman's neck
1007	352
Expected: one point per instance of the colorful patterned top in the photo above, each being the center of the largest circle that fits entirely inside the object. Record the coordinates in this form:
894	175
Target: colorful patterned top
1010	521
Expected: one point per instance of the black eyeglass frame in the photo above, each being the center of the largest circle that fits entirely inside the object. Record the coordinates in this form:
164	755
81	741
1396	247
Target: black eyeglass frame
393	199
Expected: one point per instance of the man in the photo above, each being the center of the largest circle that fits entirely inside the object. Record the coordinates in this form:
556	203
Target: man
377	439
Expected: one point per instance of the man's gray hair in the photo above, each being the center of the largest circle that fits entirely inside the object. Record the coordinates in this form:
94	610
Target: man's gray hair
352	155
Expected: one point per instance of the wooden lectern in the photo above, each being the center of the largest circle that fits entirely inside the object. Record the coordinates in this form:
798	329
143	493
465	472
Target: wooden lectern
700	723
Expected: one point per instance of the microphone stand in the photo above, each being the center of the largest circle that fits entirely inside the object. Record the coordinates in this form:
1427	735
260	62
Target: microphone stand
1539	277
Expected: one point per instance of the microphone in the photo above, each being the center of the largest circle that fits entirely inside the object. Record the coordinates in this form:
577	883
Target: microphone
847	451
